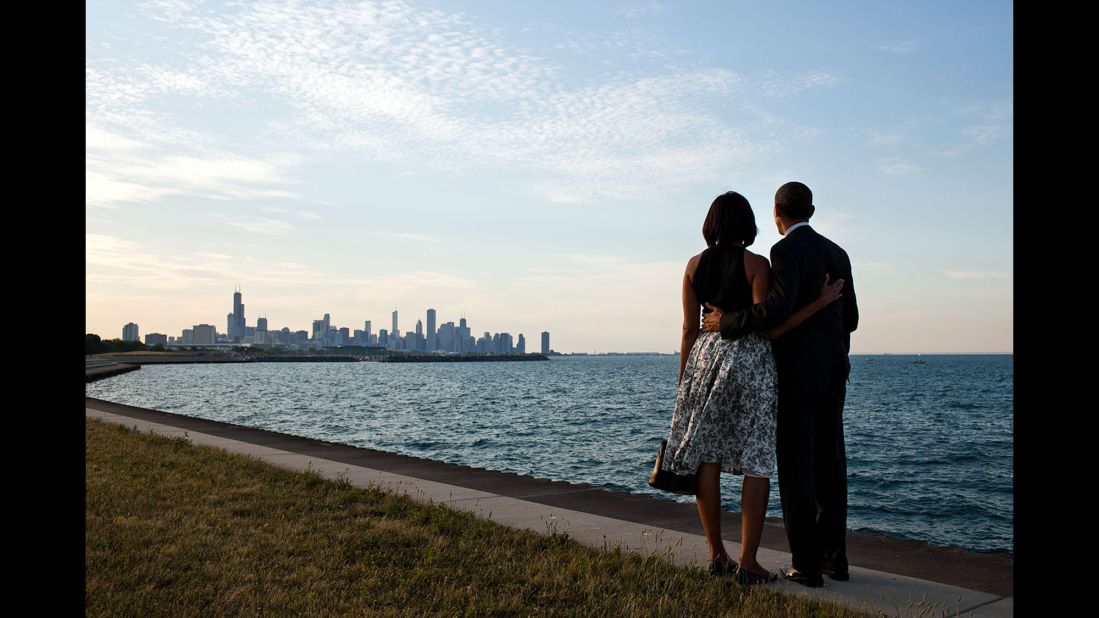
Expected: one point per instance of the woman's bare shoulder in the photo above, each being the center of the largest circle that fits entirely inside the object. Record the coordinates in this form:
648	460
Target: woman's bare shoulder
755	261
692	264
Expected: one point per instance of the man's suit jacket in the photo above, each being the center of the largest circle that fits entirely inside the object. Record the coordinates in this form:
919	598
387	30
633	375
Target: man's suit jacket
811	358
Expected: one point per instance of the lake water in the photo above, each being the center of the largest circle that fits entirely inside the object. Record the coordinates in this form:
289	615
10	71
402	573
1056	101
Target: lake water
929	447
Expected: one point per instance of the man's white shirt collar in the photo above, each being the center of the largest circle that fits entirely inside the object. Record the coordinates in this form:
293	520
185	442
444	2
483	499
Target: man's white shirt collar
794	227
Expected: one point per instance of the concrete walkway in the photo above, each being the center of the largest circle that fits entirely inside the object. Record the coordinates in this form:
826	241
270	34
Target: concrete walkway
882	575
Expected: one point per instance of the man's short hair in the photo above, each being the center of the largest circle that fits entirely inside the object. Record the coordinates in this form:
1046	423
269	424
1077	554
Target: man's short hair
794	200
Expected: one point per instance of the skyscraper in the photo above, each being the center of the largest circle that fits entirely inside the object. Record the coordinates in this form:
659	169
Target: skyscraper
463	340
129	332
394	330
521	347
235	327
261	324
366	331
545	342
447	340
430	330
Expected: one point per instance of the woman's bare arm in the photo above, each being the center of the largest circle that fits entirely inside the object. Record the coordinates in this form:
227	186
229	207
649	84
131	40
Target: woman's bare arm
691	312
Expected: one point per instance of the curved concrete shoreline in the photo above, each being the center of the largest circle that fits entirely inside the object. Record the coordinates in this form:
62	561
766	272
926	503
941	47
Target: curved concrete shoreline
106	369
887	573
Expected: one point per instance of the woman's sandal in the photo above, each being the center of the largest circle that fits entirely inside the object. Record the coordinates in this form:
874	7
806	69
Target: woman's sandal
719	569
749	578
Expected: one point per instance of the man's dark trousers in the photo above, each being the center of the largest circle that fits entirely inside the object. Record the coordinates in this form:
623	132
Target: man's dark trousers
812	477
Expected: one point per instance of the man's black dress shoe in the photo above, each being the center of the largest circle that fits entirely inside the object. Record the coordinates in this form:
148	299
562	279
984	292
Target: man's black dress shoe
805	579
840	576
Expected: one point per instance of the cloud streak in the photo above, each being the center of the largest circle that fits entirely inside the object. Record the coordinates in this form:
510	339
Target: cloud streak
976	275
119	169
895	166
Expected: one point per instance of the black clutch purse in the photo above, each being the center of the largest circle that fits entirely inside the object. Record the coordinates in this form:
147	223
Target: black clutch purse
666	480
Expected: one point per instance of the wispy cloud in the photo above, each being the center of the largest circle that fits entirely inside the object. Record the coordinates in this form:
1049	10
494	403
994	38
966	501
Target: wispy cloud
982	135
634	10
895	166
901	47
884	138
834	224
270	227
120	169
407	236
393	82
998	111
985	124
113	260
781	85
976	275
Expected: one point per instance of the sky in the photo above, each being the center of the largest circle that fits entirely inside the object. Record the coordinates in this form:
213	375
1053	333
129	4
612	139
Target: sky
541	166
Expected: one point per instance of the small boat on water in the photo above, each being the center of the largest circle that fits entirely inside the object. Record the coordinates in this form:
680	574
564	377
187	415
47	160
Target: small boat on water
870	360
919	361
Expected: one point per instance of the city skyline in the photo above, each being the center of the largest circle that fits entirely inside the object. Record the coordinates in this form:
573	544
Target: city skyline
451	337
543	166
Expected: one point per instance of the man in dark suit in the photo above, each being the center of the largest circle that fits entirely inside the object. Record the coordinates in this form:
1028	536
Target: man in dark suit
813	365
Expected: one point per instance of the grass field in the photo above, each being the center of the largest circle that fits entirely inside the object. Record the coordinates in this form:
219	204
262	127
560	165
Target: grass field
176	529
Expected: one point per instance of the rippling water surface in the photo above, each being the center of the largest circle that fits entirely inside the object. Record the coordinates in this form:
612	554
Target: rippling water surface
929	447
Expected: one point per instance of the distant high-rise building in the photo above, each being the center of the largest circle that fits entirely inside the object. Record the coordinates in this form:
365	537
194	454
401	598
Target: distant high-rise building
327	323
383	338
464	343
203	334
345	335
446	340
545	342
187	337
366	331
129	332
261	324
333	338
484	344
235	327
394	322
320	331
521	347
430	330
155	338
419	328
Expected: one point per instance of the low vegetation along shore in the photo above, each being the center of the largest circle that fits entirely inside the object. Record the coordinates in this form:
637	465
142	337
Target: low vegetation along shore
179	529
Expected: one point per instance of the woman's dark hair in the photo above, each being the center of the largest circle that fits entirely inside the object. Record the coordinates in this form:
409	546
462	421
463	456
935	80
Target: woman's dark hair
730	222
